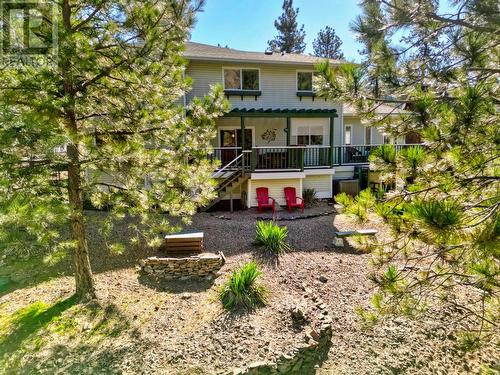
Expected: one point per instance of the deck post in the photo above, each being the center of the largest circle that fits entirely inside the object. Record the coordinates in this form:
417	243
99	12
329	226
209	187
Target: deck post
332	148
242	124
288	140
288	130
301	160
253	160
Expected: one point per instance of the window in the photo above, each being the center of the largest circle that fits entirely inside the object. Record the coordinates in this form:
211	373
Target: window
348	134
388	139
305	81
241	79
310	135
368	135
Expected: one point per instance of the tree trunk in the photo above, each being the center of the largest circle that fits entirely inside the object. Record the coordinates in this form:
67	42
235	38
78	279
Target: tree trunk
85	290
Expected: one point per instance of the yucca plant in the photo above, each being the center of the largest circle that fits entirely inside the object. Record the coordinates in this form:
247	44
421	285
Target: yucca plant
385	152
242	289
272	237
309	196
344	199
411	160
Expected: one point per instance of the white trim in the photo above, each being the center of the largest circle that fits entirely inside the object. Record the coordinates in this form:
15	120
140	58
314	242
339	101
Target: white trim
259	61
319	172
301	188
234	127
276	175
344	168
297	79
241	77
293	147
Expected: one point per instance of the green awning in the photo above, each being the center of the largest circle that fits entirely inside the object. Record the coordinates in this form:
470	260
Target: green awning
261	112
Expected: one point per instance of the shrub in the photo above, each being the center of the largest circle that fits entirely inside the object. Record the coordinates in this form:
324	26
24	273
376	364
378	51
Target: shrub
242	290
357	206
344	199
272	237
309	196
387	153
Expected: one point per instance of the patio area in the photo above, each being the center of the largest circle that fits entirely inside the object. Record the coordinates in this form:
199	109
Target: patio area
321	208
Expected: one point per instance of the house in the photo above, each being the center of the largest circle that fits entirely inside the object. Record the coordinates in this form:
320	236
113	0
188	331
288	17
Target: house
278	133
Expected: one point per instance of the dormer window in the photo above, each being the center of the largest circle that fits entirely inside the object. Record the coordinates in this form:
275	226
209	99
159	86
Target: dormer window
241	79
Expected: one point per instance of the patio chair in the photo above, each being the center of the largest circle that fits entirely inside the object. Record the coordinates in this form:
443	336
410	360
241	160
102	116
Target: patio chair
264	200
292	201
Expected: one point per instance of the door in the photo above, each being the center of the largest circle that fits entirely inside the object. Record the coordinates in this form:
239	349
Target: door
232	140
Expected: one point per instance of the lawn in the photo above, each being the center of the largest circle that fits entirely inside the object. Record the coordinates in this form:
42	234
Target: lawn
143	326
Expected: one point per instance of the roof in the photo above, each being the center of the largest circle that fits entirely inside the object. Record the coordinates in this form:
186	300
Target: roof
383	109
205	52
270	112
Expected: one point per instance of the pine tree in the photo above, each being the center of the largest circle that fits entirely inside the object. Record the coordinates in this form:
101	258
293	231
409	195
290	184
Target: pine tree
290	38
444	212
111	95
327	44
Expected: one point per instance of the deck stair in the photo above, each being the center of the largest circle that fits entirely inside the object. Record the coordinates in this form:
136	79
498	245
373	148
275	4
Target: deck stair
232	176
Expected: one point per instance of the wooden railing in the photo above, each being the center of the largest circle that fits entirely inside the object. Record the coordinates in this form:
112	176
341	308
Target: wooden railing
296	158
358	154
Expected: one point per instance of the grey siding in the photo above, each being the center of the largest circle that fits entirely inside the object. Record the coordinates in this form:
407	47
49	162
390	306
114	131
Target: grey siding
358	132
277	83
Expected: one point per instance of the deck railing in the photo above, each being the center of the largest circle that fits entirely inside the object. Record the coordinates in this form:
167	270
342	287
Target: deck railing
297	157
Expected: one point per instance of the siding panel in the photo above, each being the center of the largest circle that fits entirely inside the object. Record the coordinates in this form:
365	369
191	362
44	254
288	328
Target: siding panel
321	183
275	189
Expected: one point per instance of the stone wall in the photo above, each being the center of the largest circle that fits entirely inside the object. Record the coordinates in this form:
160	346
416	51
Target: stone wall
202	265
304	358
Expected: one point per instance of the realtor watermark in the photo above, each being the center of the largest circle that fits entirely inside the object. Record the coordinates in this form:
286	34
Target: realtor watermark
28	33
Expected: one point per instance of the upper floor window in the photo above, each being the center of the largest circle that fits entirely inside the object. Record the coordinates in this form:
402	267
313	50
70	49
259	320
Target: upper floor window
348	135
241	79
305	81
368	135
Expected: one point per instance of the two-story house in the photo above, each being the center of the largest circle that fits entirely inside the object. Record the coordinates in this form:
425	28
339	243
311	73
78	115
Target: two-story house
278	133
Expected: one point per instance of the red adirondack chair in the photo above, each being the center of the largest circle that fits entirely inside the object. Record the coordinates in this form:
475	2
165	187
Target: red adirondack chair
292	201
264	200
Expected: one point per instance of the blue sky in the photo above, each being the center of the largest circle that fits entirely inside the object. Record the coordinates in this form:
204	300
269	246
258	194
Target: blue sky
249	24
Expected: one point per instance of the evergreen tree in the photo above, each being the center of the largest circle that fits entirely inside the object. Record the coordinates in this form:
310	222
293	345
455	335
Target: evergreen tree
445	210
290	38
327	44
110	95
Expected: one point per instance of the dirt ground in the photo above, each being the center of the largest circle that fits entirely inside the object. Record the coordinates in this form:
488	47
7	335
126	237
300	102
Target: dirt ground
141	326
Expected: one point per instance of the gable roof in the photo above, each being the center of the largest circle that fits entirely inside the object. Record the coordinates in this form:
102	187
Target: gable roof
205	52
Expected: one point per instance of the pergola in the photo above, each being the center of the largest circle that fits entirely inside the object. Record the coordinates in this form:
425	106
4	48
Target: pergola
243	113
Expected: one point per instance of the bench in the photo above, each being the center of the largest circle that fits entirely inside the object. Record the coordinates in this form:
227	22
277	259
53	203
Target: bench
338	239
184	243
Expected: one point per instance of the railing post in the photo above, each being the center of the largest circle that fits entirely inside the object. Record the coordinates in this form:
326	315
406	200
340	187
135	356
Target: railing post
253	159
331	140
301	159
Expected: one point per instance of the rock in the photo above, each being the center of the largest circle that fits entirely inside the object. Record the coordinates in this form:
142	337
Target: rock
299	316
323	279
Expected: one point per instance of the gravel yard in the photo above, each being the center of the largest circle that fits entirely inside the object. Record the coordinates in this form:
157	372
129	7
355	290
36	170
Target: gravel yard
180	328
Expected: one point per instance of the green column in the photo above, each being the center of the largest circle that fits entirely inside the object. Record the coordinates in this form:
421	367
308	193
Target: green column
332	148
288	131
242	123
